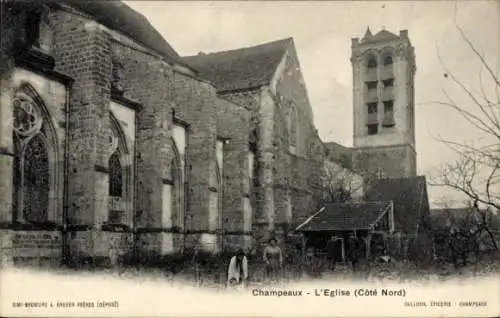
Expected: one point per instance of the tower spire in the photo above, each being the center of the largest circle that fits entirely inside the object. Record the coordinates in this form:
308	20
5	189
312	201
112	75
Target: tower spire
368	32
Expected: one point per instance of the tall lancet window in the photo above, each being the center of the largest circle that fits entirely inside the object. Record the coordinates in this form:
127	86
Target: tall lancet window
215	198
115	185
119	173
293	129
33	177
216	177
177	186
115	175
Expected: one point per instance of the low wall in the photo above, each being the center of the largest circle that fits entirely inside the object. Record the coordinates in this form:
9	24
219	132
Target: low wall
35	248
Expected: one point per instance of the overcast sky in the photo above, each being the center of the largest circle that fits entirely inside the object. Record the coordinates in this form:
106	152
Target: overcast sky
322	33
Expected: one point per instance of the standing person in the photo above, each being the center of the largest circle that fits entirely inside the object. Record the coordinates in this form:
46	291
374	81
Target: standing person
297	261
354	252
309	261
197	264
331	255
273	259
237	273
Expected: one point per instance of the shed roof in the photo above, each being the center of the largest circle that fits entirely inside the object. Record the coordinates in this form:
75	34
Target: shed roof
346	216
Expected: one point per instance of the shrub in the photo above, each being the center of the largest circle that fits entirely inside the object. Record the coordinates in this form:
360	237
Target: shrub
89	262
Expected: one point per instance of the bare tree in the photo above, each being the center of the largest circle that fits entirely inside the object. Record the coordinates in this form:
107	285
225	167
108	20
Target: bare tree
476	172
340	185
465	233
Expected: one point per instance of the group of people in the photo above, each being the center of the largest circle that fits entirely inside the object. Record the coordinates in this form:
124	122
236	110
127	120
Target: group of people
238	266
272	256
354	249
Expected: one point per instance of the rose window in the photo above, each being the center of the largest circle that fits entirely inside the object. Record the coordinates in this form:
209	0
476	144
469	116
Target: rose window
26	118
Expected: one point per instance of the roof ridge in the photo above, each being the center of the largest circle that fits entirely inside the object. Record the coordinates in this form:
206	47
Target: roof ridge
119	16
310	218
241	48
242	68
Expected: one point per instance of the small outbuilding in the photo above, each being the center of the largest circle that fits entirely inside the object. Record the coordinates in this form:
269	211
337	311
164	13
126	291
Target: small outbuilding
369	222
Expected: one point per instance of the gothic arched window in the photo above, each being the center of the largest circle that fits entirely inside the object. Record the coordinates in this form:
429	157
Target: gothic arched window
120	182
115	175
32	160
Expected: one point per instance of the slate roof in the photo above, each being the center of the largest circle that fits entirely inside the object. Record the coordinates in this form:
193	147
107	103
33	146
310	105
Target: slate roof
409	195
240	69
118	16
383	35
346	216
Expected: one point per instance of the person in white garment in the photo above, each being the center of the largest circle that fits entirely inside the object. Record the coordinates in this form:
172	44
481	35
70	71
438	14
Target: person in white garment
237	274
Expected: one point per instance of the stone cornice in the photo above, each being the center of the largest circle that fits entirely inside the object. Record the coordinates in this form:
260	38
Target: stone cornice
31	226
43	64
364	148
124	101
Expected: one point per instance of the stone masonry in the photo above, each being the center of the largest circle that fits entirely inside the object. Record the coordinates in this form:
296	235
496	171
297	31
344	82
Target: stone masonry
104	89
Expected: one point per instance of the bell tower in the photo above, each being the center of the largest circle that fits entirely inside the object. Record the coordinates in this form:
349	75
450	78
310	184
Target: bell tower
384	108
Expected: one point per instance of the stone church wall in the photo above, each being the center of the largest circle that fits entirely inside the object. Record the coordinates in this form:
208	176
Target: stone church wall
233	122
82	51
195	102
149	81
302	169
38	248
114	77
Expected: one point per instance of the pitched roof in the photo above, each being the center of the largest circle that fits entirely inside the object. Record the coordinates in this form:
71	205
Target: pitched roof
118	16
244	68
346	216
411	203
382	35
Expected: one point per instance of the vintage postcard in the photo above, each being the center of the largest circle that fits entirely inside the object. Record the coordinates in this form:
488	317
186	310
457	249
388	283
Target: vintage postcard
249	158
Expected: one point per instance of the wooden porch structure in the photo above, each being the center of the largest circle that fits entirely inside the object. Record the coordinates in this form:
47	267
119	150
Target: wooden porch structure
370	223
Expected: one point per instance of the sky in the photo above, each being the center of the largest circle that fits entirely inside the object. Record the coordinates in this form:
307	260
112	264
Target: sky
322	33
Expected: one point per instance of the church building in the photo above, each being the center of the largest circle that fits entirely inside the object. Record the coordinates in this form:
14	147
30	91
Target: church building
112	143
